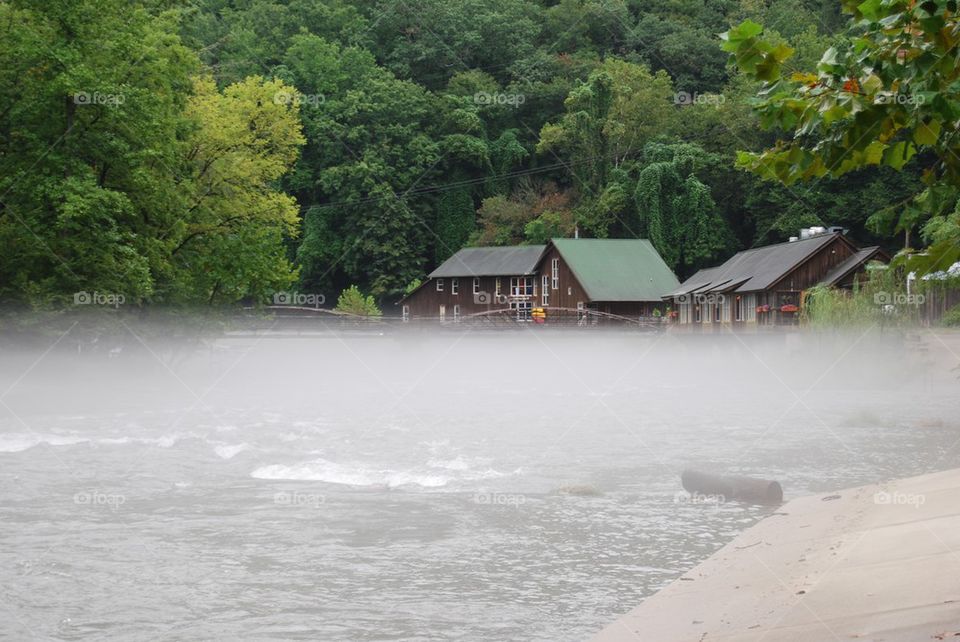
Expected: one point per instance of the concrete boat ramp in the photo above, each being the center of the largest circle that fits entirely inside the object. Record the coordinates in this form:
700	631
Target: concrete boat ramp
879	563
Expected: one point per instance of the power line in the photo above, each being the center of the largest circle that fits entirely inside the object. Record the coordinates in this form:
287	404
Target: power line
448	186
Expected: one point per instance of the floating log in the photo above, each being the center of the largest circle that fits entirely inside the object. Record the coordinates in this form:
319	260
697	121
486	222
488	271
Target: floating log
745	489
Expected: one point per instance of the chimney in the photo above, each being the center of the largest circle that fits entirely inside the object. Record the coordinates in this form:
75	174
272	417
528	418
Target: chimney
576	231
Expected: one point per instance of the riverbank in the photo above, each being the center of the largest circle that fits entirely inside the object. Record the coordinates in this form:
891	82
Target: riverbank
877	562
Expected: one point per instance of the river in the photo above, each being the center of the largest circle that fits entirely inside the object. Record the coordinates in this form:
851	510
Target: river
469	486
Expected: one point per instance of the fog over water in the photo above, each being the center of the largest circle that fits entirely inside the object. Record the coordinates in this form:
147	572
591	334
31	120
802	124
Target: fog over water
418	485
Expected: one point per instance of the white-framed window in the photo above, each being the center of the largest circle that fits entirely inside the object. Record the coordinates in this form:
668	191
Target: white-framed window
522	309
456	314
718	311
555	273
406	313
569	290
439	285
497	293
476	285
443	312
545	291
521	286
696	313
738	309
454	286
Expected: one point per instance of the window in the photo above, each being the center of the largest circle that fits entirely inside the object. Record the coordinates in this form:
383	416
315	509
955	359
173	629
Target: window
406	313
476	285
696	313
522	308
581	313
497	293
717	311
456	314
443	312
569	290
555	273
521	286
454	286
439	285
545	291
738	309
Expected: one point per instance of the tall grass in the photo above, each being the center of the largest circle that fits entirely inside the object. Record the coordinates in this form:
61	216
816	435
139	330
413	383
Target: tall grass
875	300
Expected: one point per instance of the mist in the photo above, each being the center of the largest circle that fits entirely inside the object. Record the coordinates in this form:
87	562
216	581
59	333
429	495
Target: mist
392	484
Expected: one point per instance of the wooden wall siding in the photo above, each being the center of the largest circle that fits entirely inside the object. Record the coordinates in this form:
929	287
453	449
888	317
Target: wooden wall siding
786	290
426	302
812	271
569	292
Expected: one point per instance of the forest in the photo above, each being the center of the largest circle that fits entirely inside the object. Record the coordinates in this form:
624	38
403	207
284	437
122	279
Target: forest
217	151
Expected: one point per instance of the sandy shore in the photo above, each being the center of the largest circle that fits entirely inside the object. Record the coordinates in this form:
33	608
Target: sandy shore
878	562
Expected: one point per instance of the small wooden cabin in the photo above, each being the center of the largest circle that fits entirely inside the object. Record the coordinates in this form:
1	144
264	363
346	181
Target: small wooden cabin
763	286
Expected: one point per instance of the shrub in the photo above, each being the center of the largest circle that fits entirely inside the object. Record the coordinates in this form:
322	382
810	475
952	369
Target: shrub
352	301
951	317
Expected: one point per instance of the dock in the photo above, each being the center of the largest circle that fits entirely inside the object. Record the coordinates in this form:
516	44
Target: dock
873	563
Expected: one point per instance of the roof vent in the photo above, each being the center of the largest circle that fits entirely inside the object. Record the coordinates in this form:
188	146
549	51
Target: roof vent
837	229
810	232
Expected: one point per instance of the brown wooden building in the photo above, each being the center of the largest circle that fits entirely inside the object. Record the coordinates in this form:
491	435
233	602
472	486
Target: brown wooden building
763	286
576	278
478	279
622	277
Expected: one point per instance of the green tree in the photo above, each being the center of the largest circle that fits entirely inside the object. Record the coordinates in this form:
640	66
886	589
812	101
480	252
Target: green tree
608	119
676	211
352	301
231	244
428	41
91	131
371	140
885	94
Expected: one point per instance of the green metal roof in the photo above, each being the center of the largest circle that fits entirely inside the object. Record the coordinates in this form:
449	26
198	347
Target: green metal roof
618	269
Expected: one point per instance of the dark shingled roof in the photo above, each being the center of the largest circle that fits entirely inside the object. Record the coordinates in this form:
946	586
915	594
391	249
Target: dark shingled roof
617	269
756	269
513	260
851	264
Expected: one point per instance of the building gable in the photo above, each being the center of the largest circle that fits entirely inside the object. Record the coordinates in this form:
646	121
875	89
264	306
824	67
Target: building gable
615	269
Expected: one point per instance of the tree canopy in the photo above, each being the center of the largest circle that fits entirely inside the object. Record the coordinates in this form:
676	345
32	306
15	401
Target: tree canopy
214	152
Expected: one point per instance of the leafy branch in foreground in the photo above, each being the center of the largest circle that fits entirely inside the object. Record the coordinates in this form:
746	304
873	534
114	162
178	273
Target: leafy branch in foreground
888	92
